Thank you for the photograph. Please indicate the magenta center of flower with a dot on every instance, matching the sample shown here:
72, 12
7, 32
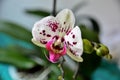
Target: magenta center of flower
56, 48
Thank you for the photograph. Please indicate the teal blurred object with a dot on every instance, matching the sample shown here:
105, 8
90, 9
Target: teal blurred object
4, 72
107, 71
8, 72
7, 40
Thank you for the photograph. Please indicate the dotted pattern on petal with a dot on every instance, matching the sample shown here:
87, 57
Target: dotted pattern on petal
74, 42
45, 29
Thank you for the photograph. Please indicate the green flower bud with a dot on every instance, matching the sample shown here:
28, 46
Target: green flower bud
60, 78
87, 46
101, 50
109, 56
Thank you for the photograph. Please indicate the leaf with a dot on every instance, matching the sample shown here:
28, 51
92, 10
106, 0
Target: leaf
94, 23
89, 34
41, 13
15, 31
13, 56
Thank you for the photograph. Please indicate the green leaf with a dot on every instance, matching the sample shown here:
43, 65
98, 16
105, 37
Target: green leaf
13, 56
89, 34
15, 31
94, 23
41, 13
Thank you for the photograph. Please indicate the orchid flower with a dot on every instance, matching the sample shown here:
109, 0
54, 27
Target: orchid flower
59, 36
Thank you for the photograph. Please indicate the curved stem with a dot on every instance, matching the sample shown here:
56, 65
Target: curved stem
54, 8
61, 69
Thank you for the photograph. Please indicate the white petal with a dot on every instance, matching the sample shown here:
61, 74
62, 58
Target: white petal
44, 30
37, 43
74, 44
67, 20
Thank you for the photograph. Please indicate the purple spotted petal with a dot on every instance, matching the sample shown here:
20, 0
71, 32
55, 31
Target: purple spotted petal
74, 44
67, 21
45, 29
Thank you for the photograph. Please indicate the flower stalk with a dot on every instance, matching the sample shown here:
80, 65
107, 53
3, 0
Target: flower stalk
61, 69
54, 8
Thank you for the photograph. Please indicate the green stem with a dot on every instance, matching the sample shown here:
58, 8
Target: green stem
61, 69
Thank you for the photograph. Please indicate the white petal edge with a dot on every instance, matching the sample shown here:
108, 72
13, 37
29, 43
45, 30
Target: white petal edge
66, 15
76, 58
37, 43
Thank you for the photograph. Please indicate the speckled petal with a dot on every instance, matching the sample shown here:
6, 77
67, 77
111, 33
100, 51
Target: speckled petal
67, 21
44, 30
74, 44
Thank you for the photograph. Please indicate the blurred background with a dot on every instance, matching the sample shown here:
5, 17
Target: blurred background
105, 12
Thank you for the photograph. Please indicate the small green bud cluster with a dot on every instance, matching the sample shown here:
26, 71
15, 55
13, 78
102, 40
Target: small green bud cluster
101, 49
60, 78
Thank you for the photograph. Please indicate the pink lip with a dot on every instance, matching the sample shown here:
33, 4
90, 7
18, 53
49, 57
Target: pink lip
54, 57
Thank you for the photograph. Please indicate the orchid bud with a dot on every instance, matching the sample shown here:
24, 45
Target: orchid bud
60, 78
101, 50
87, 46
109, 56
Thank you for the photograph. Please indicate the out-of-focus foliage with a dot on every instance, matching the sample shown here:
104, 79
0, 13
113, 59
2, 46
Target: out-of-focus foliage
89, 34
40, 13
15, 30
16, 57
